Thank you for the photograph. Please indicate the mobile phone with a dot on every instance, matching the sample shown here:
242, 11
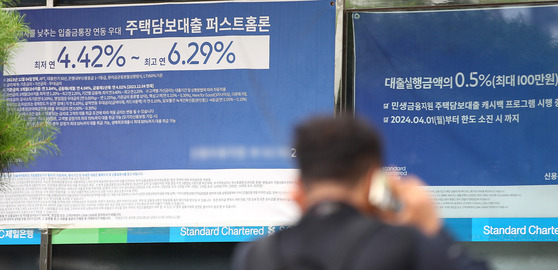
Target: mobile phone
380, 193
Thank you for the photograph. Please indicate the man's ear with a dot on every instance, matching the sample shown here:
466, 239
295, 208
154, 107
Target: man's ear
299, 195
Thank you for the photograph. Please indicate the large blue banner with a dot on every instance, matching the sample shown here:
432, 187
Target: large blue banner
169, 86
464, 97
170, 114
467, 101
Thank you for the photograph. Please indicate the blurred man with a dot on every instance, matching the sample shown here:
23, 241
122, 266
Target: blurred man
340, 229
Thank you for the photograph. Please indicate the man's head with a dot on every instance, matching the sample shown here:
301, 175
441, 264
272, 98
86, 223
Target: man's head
338, 150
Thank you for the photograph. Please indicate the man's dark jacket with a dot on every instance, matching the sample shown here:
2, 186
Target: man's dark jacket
335, 236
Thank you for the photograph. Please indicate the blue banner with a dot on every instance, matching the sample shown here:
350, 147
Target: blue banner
515, 229
20, 237
176, 86
170, 114
464, 98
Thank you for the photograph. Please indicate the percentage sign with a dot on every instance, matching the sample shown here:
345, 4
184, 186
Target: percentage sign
120, 60
230, 56
485, 80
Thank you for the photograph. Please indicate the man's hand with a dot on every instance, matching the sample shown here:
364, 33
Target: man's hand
419, 209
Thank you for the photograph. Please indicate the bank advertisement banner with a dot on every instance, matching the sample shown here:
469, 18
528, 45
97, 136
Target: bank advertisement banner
170, 114
467, 101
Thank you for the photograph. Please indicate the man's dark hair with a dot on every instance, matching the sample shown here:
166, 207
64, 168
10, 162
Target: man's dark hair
340, 149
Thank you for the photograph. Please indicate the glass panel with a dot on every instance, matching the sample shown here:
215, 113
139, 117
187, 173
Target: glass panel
19, 257
199, 256
29, 3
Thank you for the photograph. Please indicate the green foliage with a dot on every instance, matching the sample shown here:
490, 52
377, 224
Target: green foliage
12, 31
22, 137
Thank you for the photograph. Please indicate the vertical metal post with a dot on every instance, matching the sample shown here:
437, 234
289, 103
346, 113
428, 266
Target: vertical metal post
338, 76
45, 256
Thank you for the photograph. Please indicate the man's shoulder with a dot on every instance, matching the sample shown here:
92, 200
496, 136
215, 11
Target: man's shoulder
354, 242
339, 220
346, 235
